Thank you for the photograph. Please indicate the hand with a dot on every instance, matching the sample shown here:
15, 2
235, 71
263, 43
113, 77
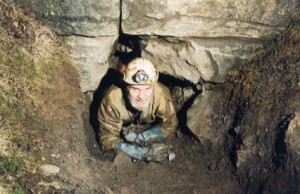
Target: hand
130, 136
133, 151
157, 152
146, 138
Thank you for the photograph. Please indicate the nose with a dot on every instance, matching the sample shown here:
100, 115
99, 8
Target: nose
141, 95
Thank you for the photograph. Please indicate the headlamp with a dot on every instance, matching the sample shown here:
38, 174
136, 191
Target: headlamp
140, 77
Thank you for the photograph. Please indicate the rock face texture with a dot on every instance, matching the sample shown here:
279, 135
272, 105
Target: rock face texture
91, 28
76, 17
293, 135
91, 56
198, 18
190, 39
197, 59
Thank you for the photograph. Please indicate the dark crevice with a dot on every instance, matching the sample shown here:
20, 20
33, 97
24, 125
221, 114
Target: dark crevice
120, 17
131, 44
261, 188
129, 47
237, 140
182, 114
171, 82
280, 148
111, 77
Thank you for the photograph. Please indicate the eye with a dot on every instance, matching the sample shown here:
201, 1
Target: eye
134, 89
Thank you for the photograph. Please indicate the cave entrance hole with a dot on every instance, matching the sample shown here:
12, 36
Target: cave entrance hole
128, 48
192, 163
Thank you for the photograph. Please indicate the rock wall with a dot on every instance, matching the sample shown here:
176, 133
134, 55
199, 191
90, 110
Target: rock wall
203, 18
293, 135
192, 40
91, 55
91, 28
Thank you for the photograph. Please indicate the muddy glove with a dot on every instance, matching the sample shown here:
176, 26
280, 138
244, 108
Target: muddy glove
146, 138
156, 152
133, 151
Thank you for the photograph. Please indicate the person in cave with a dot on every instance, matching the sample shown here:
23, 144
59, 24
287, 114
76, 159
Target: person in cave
139, 117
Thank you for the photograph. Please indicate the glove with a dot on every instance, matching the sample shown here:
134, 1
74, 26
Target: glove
133, 151
156, 152
146, 138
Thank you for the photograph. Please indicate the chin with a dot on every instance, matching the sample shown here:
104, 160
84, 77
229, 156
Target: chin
139, 107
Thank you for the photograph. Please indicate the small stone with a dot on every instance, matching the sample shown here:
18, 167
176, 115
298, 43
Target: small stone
127, 190
55, 184
171, 156
122, 160
49, 169
33, 171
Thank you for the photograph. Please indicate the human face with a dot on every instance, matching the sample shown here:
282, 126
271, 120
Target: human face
140, 95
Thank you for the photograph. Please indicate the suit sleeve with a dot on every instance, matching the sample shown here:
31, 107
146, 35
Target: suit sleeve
110, 125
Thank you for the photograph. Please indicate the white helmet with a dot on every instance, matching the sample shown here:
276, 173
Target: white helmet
140, 71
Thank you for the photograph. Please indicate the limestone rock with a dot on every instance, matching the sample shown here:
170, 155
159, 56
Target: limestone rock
76, 17
203, 119
248, 149
128, 190
198, 18
55, 184
122, 161
202, 40
197, 59
49, 169
91, 56
293, 135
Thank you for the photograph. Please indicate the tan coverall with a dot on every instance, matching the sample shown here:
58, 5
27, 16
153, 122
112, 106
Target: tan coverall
113, 114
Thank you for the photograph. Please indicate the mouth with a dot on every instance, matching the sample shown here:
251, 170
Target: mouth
140, 102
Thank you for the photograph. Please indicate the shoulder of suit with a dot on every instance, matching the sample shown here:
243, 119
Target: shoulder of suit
113, 94
162, 91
